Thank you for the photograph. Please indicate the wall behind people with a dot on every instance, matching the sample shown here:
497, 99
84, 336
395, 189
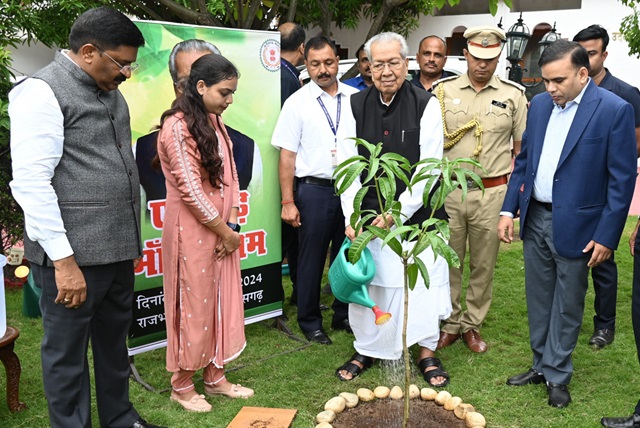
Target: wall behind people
568, 22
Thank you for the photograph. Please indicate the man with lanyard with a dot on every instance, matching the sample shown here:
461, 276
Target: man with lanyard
482, 113
363, 81
605, 276
306, 134
431, 57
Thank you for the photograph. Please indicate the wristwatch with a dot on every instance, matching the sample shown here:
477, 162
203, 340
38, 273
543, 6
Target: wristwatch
234, 226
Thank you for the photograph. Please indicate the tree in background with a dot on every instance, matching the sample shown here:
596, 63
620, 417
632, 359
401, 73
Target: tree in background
630, 29
11, 219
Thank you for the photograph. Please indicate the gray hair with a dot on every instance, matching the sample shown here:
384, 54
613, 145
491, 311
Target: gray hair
386, 38
191, 45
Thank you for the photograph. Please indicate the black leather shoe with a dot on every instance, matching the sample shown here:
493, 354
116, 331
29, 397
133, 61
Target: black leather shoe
318, 336
144, 424
558, 395
526, 378
342, 325
632, 421
602, 337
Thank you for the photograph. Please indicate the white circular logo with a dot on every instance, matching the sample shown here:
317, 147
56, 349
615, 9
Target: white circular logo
270, 55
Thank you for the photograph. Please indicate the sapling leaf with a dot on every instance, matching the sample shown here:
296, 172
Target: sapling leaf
357, 200
396, 232
412, 274
358, 245
382, 233
353, 172
373, 169
423, 270
366, 219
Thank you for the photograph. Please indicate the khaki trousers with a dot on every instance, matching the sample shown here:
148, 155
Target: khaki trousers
474, 220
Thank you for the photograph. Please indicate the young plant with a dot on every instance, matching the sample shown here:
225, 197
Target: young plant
380, 172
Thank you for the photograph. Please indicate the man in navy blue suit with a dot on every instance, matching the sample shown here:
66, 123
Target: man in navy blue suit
572, 183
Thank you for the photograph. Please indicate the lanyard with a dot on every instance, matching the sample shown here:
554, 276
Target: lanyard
290, 71
326, 113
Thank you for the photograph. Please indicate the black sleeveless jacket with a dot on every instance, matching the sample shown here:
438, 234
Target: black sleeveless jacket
398, 128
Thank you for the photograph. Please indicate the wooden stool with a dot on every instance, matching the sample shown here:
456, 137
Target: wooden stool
12, 367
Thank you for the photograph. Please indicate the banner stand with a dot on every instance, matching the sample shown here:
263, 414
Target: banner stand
280, 324
135, 375
249, 126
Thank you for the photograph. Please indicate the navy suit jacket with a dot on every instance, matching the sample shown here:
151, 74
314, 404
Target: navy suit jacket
595, 177
152, 180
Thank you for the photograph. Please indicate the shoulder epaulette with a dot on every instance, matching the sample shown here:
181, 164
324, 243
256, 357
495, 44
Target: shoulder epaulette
512, 83
444, 79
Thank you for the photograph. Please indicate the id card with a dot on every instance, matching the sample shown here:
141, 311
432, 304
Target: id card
334, 158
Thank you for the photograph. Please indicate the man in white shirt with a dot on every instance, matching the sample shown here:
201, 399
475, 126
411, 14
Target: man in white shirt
75, 177
307, 133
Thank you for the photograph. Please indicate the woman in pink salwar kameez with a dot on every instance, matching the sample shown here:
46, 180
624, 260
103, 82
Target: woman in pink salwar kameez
200, 240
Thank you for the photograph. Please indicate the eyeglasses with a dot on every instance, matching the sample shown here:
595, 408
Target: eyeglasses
393, 65
123, 68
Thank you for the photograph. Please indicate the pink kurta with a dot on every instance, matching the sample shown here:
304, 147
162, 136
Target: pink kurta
202, 297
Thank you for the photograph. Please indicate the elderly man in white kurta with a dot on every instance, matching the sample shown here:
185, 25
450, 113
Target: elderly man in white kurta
408, 122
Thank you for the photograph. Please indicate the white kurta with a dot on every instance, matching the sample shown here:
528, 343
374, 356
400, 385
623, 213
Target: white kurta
426, 306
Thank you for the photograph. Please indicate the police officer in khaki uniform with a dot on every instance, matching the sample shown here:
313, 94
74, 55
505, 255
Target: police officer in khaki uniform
482, 114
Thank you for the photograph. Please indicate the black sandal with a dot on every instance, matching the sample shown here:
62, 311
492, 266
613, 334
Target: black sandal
439, 371
354, 369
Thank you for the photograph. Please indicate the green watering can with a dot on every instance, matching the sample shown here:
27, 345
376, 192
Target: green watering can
349, 281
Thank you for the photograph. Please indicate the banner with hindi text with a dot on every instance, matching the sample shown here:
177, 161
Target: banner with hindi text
250, 121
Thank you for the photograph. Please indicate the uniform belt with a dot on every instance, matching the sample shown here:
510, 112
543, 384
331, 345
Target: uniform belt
324, 182
546, 205
488, 182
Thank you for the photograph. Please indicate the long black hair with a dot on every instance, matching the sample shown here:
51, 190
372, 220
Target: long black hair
211, 69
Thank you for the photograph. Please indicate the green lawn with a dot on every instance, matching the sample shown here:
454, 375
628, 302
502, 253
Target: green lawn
291, 374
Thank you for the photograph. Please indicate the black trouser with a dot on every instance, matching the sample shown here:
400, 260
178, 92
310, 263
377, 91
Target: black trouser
605, 285
290, 251
104, 318
322, 222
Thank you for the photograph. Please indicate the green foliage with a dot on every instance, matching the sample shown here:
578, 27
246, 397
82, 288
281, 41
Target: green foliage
630, 28
382, 172
11, 218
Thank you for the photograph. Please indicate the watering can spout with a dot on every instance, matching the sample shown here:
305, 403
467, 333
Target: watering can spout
349, 281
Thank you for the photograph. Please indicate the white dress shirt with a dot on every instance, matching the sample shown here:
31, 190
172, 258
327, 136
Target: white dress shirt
557, 130
303, 128
37, 138
554, 139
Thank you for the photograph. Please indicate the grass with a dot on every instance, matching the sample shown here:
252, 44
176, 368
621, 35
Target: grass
290, 374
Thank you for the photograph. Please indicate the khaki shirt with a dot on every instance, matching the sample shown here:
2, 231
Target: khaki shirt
501, 109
